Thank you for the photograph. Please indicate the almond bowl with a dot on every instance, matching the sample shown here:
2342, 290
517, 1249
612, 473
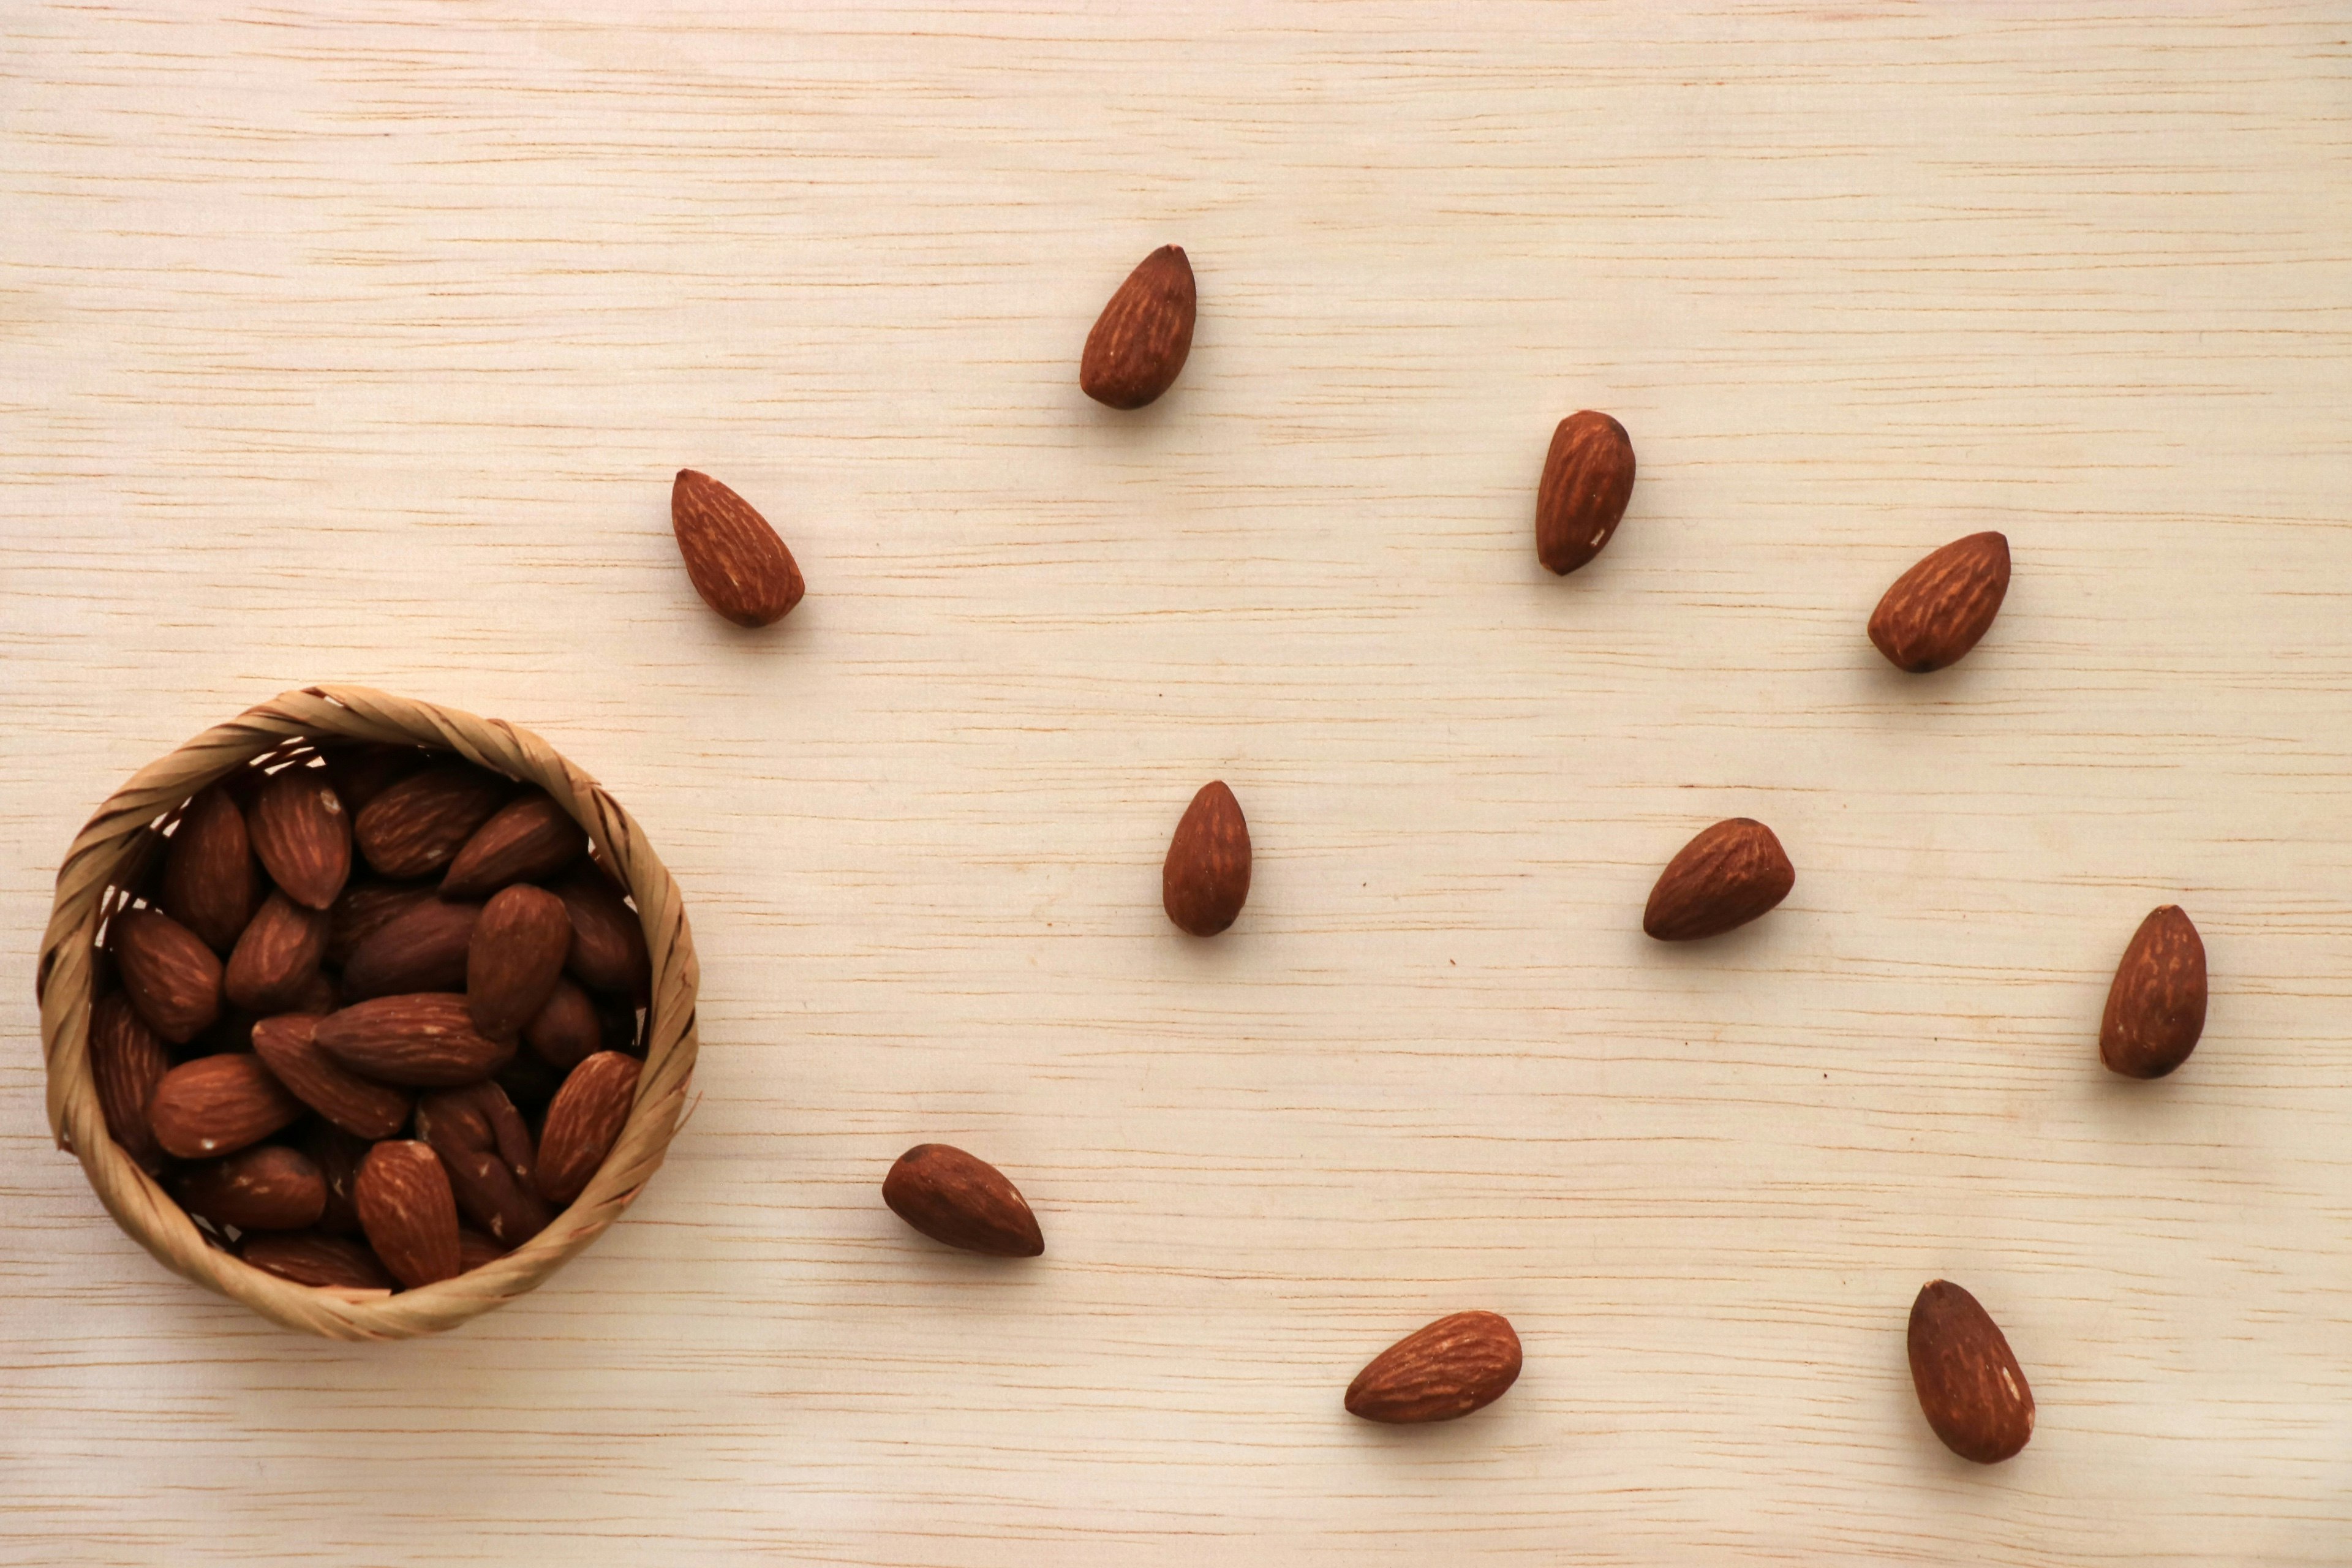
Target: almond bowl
112, 867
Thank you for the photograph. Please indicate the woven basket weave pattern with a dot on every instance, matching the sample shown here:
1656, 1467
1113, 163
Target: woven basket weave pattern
116, 847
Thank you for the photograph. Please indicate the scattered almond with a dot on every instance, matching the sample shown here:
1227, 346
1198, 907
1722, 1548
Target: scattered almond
1726, 877
1587, 478
736, 560
1971, 1387
1454, 1366
964, 1201
1206, 878
1937, 610
1144, 335
2155, 1007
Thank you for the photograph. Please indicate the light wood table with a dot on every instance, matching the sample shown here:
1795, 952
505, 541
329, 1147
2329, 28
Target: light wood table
361, 343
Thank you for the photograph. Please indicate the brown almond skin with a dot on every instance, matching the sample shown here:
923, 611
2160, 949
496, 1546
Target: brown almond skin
426, 1040
423, 949
126, 1063
1141, 341
217, 1105
474, 1249
962, 1201
1937, 611
2155, 1007
337, 1156
304, 835
417, 826
169, 973
608, 943
1444, 1370
1588, 479
528, 841
583, 1122
515, 958
1729, 875
408, 1211
211, 882
567, 1030
1971, 1387
1205, 879
364, 909
288, 1046
736, 561
312, 1257
277, 956
363, 769
267, 1188
486, 1151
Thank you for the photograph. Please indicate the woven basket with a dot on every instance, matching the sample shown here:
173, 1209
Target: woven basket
121, 840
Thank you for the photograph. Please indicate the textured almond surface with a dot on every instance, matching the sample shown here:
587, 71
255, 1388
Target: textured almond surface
736, 563
304, 835
424, 947
1971, 1387
515, 958
407, 1212
417, 826
1937, 611
277, 957
424, 1040
269, 1187
608, 942
217, 1105
288, 1046
171, 976
489, 1154
961, 1200
1205, 879
565, 1031
583, 1122
1588, 479
312, 1257
126, 1063
364, 907
1144, 335
1729, 875
527, 840
2156, 1004
1454, 1365
211, 880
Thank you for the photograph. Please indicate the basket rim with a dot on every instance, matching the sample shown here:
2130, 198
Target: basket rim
67, 972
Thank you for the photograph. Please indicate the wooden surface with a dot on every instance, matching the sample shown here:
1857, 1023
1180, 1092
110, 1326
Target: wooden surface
363, 345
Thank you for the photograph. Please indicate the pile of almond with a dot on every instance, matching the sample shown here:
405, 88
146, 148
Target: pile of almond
377, 1020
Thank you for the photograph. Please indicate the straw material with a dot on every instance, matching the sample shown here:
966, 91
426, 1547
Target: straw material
119, 842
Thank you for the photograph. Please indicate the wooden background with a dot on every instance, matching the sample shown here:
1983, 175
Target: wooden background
361, 343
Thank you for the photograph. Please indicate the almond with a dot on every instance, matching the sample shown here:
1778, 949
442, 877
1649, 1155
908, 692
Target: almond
363, 769
217, 1105
277, 957
288, 1046
417, 826
422, 949
1454, 1366
1144, 335
583, 1122
474, 1249
566, 1030
964, 1201
1587, 478
126, 1063
1971, 1387
1725, 877
210, 881
407, 1212
1936, 612
426, 1041
736, 560
515, 957
1206, 877
528, 840
486, 1149
171, 977
267, 1188
365, 909
309, 1257
2155, 1008
304, 835
608, 943
337, 1156
318, 995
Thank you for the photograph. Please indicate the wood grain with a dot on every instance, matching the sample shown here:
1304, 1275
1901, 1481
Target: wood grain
362, 342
